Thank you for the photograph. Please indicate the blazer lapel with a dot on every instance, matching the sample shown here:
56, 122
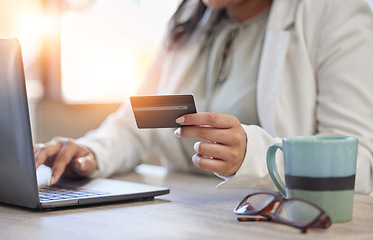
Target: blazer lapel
274, 51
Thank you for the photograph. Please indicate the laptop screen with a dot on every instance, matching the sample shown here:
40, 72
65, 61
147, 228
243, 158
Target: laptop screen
18, 184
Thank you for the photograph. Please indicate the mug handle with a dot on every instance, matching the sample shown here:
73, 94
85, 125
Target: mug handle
272, 168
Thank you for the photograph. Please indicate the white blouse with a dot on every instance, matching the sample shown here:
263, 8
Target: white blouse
224, 77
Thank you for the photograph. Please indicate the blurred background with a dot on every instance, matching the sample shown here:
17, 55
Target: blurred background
82, 57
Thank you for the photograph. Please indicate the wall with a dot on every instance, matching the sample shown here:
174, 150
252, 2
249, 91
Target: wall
54, 118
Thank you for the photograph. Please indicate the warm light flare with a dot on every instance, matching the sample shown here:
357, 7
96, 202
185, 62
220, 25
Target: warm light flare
32, 27
107, 48
27, 21
101, 79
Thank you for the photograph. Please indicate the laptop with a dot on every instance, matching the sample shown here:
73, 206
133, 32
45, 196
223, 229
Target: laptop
18, 177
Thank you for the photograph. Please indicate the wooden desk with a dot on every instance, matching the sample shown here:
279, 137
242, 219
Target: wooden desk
193, 210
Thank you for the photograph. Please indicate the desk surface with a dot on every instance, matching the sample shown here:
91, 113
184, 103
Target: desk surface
194, 209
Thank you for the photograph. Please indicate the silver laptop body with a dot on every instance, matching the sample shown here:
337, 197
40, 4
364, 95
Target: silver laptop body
18, 177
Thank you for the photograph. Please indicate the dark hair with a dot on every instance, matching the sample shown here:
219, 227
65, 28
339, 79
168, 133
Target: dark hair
184, 21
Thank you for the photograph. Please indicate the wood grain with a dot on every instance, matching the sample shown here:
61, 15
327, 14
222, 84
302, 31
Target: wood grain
194, 209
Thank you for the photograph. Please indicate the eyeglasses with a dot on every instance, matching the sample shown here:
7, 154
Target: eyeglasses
293, 212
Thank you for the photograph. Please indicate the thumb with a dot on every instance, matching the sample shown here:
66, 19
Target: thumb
84, 166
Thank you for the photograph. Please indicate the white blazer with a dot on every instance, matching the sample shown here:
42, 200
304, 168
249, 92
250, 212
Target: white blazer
315, 77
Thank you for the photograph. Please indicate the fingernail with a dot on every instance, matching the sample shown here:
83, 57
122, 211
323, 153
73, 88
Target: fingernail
51, 181
180, 120
177, 132
196, 158
196, 146
81, 163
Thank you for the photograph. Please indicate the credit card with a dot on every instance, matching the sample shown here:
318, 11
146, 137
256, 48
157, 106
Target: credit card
161, 111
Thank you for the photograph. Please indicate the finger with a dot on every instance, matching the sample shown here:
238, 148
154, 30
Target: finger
217, 120
214, 150
63, 158
212, 165
84, 166
44, 152
211, 134
38, 146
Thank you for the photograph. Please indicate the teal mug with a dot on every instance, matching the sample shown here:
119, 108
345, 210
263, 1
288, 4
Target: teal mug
318, 169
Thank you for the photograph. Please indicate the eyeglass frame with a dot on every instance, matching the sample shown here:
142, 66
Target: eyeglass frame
322, 220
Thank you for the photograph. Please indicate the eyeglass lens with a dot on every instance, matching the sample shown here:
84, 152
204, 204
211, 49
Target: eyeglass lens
295, 211
254, 204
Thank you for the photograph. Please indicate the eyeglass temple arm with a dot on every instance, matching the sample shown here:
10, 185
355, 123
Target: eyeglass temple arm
255, 219
260, 219
323, 222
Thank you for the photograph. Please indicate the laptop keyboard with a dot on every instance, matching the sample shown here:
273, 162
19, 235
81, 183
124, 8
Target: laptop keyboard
48, 193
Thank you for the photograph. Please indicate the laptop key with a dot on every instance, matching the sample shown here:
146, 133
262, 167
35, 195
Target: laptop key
47, 193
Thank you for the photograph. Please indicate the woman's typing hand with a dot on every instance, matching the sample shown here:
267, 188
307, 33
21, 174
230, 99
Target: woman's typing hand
65, 157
